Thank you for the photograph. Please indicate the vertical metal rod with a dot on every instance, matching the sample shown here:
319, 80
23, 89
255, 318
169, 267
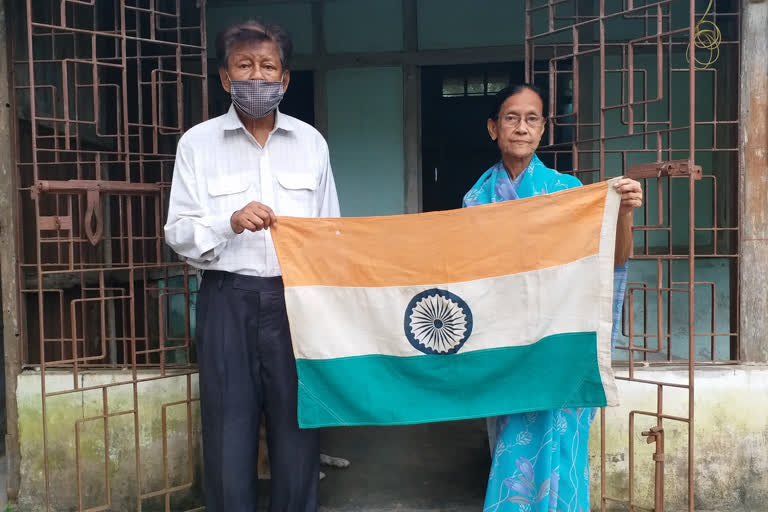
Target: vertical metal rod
575, 95
41, 317
203, 59
659, 452
631, 89
602, 89
107, 480
631, 460
528, 45
691, 249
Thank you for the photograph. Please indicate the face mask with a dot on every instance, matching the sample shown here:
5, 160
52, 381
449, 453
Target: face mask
255, 98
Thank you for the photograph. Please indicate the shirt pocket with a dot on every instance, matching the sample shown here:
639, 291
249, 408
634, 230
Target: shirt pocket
227, 193
296, 194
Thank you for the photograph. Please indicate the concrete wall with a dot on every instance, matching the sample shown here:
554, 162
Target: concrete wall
731, 442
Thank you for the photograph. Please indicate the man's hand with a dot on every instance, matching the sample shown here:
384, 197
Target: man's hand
253, 217
631, 195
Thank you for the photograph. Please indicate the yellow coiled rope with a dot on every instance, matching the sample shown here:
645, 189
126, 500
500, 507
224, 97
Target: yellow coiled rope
706, 36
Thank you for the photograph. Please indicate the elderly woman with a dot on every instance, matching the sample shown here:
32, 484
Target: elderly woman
539, 459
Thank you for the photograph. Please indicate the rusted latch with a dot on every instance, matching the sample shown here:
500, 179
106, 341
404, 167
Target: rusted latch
660, 169
93, 219
656, 435
54, 223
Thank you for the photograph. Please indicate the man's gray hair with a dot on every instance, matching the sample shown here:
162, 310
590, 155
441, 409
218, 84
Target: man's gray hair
253, 31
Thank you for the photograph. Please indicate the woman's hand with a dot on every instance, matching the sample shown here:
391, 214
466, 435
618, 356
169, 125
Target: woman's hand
631, 195
631, 198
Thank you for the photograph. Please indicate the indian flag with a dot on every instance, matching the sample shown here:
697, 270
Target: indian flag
451, 315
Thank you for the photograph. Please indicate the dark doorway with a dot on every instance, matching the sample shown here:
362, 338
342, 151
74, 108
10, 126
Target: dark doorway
299, 100
456, 148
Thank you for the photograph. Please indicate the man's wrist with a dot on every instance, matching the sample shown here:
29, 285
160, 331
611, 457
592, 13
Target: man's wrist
222, 226
232, 223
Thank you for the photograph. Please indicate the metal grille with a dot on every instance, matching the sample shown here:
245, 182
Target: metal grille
103, 90
625, 98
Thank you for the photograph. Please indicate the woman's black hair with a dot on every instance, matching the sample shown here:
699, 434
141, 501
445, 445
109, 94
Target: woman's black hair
511, 90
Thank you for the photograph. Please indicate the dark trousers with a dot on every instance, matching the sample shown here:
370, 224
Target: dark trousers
247, 366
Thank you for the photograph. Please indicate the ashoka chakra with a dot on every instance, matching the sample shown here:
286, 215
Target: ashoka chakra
437, 322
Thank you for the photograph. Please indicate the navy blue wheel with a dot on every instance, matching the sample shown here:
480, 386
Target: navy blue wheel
437, 322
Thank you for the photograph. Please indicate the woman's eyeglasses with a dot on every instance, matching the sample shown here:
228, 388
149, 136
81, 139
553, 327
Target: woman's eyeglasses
515, 120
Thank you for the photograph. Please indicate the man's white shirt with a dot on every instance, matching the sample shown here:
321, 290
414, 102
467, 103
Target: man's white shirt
220, 168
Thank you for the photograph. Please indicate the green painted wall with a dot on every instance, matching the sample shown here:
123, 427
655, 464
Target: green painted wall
712, 302
463, 24
365, 135
362, 26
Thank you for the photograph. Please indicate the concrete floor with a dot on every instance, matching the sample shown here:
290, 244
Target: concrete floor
421, 468
438, 466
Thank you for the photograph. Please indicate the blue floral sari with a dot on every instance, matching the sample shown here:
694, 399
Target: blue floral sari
539, 459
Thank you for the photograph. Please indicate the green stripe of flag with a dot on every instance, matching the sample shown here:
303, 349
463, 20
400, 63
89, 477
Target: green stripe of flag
559, 371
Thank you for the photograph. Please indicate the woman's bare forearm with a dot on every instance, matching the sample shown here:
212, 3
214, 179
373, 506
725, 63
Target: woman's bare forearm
623, 239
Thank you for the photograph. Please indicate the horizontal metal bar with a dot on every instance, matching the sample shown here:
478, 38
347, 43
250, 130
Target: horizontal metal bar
113, 187
674, 168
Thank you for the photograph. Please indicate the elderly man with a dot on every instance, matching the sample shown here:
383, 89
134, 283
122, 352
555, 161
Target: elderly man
233, 175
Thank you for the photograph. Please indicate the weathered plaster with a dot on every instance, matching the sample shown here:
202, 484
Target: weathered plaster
64, 411
731, 443
730, 440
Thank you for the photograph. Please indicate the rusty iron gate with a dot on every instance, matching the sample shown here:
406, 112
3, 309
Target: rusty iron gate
103, 90
636, 88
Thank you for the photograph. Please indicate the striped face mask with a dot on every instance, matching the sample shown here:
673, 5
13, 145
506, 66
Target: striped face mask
255, 98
